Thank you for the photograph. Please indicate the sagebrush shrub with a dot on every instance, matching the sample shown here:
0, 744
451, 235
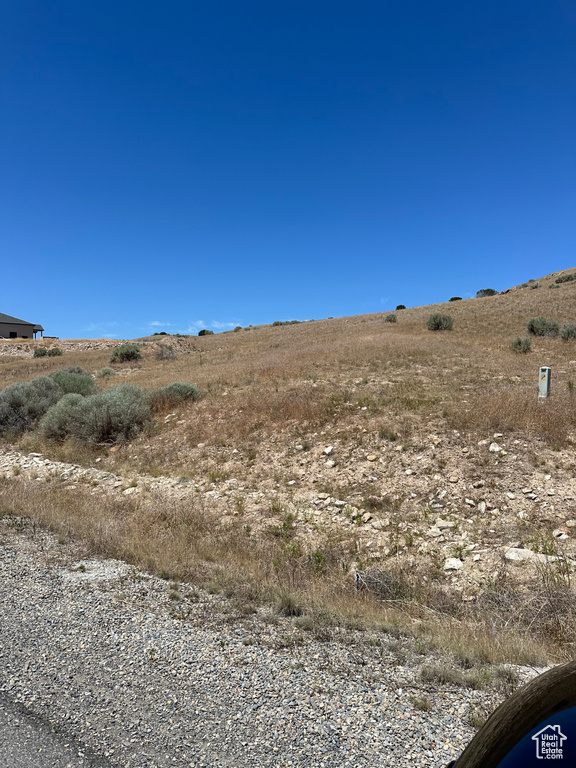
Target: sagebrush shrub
74, 379
124, 353
521, 346
55, 352
566, 278
390, 319
455, 298
238, 328
540, 326
172, 394
439, 322
484, 292
23, 404
40, 352
116, 415
400, 306
205, 332
105, 372
568, 332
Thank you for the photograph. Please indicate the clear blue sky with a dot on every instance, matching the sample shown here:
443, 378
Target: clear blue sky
177, 165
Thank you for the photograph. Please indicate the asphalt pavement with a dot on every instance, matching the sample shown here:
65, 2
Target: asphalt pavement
26, 741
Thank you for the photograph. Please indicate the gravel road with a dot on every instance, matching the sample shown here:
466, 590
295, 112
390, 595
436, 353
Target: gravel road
102, 654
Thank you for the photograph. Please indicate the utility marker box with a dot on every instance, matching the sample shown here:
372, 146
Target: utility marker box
544, 382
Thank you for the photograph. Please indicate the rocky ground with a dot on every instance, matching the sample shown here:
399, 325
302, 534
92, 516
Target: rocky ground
149, 674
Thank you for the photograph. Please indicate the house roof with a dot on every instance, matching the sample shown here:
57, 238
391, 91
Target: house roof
15, 321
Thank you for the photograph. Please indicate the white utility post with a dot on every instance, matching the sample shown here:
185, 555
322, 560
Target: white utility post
544, 382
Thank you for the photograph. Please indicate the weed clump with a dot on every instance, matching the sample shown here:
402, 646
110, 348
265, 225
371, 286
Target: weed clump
440, 322
568, 332
540, 326
23, 404
390, 319
74, 379
521, 346
165, 353
125, 353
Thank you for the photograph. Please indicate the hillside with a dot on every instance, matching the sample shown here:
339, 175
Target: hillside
420, 460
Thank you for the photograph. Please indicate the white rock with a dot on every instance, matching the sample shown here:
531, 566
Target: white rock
521, 555
494, 448
482, 507
330, 463
440, 524
523, 515
511, 495
329, 450
470, 502
452, 564
558, 533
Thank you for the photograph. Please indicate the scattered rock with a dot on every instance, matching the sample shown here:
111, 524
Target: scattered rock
329, 450
452, 564
495, 448
441, 524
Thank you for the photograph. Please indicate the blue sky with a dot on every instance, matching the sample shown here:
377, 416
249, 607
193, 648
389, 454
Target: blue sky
178, 165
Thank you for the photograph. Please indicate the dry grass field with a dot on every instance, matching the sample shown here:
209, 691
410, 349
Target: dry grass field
333, 446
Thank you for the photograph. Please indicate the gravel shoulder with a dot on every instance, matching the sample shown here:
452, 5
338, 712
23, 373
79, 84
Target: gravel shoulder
105, 657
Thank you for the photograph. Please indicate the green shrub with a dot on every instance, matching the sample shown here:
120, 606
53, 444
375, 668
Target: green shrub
238, 328
125, 353
40, 352
390, 319
439, 322
400, 306
116, 415
173, 394
521, 346
23, 404
105, 372
540, 326
74, 379
566, 278
285, 322
205, 332
455, 298
55, 352
568, 332
483, 292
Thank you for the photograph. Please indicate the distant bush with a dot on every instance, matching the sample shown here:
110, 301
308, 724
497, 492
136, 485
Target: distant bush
455, 298
165, 353
205, 332
534, 285
439, 322
104, 373
483, 292
40, 352
160, 333
74, 379
285, 322
400, 306
23, 404
238, 328
172, 394
568, 332
521, 346
540, 326
125, 353
390, 319
116, 415
553, 285
55, 352
565, 278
